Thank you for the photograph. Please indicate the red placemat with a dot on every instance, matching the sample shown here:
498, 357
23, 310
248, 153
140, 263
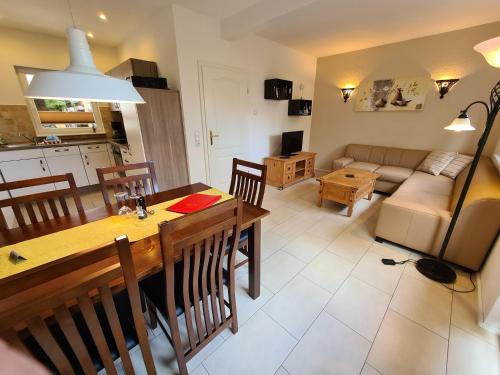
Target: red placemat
193, 203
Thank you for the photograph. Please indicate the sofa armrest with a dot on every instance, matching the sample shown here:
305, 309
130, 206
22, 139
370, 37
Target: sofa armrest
342, 162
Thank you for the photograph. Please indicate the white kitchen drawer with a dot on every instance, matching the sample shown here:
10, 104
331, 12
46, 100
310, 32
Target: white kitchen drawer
61, 151
93, 148
21, 154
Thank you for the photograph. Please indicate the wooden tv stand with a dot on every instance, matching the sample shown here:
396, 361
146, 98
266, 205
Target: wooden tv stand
285, 172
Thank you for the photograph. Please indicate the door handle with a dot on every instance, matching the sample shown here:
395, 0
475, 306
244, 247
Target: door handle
212, 136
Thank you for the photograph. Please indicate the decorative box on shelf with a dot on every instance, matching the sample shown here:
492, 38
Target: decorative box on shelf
299, 107
278, 89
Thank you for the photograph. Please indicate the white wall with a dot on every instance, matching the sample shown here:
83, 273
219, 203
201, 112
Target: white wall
155, 41
38, 51
198, 39
449, 55
490, 290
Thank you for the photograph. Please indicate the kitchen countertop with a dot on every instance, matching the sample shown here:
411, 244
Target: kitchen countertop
31, 146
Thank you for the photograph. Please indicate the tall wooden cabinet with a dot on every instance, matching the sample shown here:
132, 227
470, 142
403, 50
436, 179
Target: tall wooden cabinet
285, 172
155, 132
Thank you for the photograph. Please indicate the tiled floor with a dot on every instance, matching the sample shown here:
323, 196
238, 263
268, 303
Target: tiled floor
329, 306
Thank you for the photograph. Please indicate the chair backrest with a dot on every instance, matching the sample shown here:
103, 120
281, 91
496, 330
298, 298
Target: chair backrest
202, 240
39, 207
73, 318
143, 179
250, 187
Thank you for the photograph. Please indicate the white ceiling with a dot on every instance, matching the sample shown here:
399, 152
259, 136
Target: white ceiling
328, 27
53, 17
317, 27
124, 16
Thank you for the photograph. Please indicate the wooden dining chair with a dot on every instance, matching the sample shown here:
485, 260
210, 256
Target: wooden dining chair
39, 207
74, 323
192, 283
142, 179
250, 187
247, 185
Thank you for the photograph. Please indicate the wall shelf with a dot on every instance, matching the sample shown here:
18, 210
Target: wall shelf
278, 89
299, 107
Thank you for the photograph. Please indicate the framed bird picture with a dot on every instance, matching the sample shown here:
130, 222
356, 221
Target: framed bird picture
395, 94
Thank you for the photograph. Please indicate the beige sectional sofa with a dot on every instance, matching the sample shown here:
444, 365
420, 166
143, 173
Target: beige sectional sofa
418, 212
394, 164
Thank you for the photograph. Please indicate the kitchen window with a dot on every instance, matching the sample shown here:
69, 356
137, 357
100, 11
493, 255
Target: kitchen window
60, 117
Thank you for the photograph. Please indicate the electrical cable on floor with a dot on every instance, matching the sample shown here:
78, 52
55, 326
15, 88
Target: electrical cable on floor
392, 262
463, 291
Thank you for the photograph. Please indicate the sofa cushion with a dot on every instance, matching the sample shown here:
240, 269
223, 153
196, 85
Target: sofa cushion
412, 158
377, 155
370, 167
434, 192
394, 174
358, 152
456, 166
421, 181
436, 161
342, 163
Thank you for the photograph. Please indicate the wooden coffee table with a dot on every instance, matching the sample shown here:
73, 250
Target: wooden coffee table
337, 187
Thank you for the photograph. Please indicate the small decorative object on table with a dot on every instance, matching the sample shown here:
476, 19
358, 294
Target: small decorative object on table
51, 140
15, 257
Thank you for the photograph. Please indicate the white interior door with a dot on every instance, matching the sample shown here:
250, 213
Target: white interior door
226, 114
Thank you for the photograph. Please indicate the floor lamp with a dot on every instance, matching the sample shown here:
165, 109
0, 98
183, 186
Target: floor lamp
436, 269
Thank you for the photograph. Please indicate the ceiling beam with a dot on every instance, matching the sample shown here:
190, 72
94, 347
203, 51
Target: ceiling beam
255, 18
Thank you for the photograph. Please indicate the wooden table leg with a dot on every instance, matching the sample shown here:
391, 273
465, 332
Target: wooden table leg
254, 238
371, 191
320, 195
349, 210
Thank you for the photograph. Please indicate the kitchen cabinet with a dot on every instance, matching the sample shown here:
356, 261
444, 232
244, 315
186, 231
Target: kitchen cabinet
155, 132
94, 160
68, 164
24, 169
81, 161
84, 149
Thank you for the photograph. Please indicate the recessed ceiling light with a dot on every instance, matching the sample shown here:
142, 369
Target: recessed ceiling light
102, 16
90, 35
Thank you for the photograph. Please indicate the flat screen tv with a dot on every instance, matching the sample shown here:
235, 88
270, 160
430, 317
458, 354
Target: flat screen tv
291, 142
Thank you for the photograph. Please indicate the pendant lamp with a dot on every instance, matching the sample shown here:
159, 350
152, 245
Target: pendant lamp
81, 80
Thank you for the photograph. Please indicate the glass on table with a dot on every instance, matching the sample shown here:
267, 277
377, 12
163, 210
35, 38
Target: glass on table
121, 199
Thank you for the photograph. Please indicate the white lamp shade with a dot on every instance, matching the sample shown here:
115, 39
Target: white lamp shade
81, 80
490, 49
66, 85
461, 124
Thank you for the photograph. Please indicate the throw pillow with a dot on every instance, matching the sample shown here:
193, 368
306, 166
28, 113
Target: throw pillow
456, 166
436, 161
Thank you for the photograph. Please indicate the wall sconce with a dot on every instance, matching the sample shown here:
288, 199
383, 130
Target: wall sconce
444, 85
346, 93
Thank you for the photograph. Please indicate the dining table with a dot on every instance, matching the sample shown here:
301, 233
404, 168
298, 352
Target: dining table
146, 252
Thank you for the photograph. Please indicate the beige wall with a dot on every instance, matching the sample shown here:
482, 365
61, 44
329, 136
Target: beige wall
490, 290
39, 51
449, 55
155, 41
